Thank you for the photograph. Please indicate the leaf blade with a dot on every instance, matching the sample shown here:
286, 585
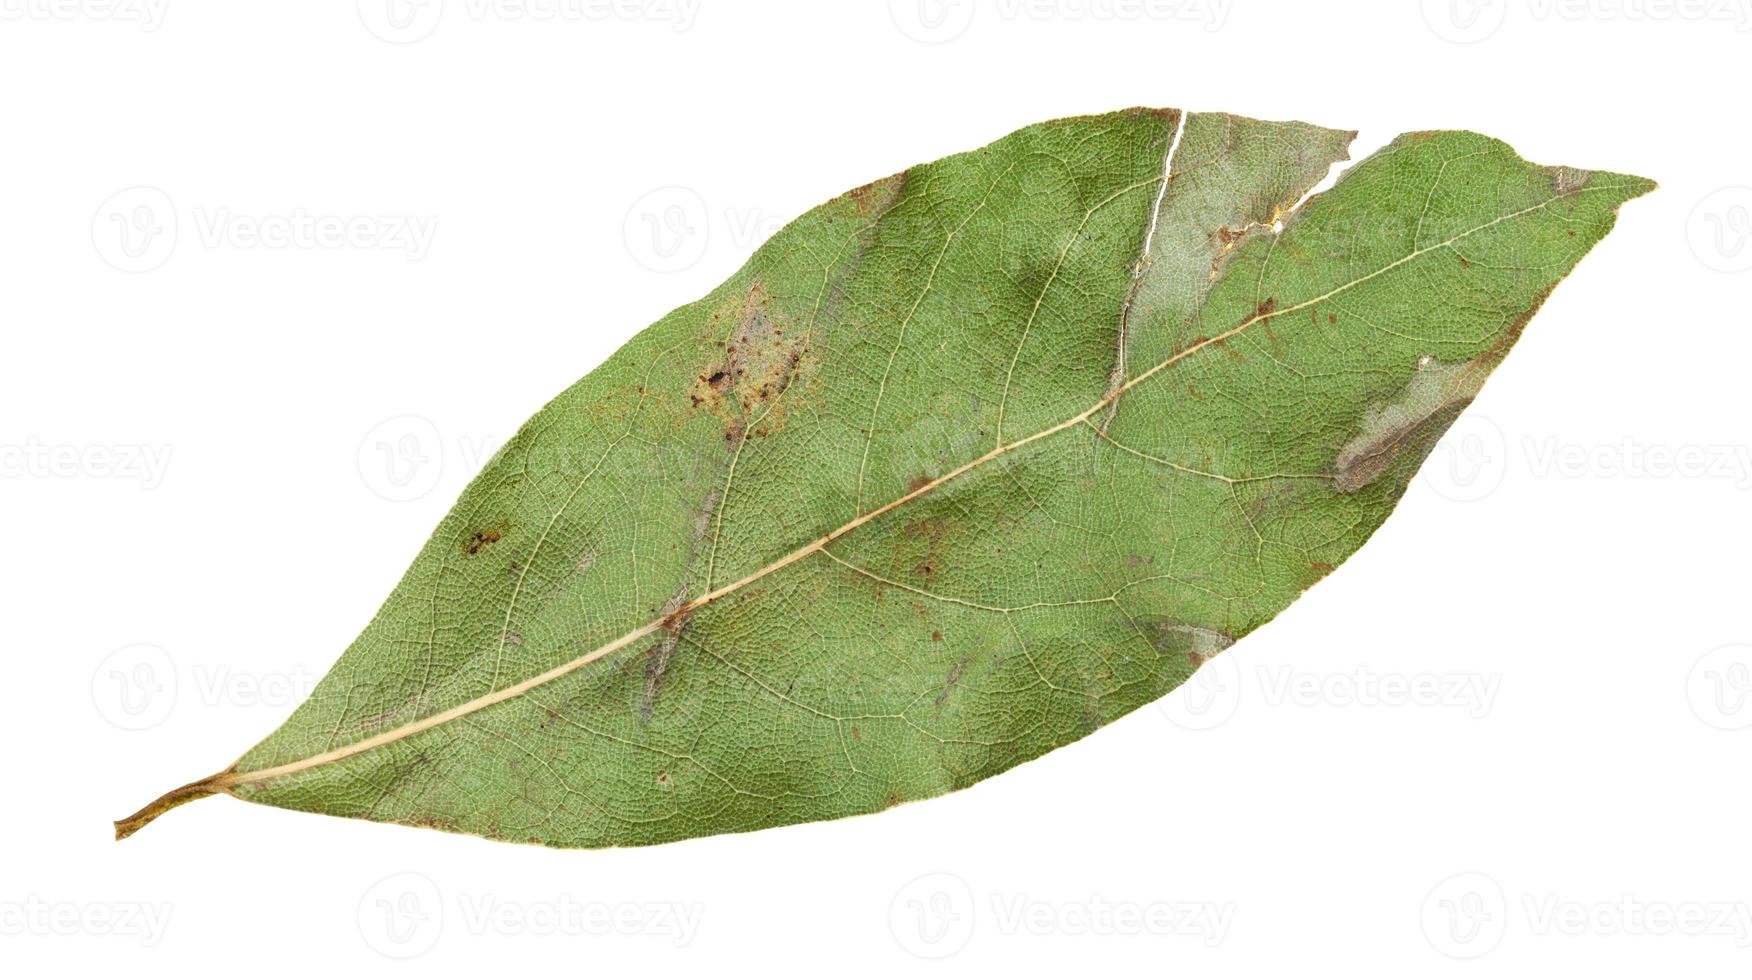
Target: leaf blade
1050, 539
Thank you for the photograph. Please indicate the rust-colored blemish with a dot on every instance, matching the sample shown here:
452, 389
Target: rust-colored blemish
480, 540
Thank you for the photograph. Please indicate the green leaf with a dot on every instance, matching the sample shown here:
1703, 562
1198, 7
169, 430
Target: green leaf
961, 466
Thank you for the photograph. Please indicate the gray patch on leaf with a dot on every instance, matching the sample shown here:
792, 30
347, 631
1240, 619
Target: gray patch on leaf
1568, 180
1196, 643
1427, 405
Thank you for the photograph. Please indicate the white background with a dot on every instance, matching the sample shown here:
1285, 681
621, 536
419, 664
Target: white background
222, 444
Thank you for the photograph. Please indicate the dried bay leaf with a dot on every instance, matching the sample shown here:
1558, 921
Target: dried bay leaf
962, 465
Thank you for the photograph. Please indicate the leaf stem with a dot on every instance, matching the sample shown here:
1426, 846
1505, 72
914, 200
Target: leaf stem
216, 783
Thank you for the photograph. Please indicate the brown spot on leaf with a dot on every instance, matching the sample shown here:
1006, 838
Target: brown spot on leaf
480, 540
744, 383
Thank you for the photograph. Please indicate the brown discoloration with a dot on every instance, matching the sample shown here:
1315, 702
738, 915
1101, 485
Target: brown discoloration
877, 196
481, 539
756, 364
674, 616
932, 531
1323, 567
